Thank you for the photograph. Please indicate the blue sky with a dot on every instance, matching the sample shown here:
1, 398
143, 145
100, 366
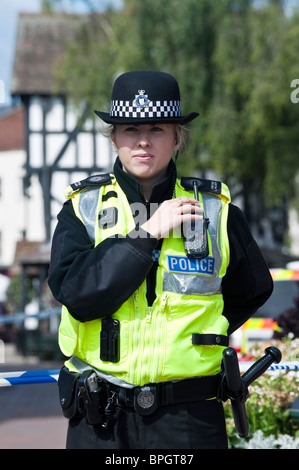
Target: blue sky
9, 11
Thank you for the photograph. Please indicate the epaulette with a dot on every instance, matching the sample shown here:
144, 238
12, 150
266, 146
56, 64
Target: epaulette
94, 180
207, 186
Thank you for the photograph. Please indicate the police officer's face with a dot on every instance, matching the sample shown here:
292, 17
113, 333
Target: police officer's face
146, 149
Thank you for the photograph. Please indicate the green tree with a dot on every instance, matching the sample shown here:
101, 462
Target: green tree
179, 38
174, 36
252, 133
234, 63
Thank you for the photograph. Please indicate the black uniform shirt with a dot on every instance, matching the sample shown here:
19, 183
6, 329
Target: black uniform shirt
93, 282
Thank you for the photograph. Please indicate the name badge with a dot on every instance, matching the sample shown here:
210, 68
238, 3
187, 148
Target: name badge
182, 264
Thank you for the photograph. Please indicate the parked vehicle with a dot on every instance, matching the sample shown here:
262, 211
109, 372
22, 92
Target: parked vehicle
267, 321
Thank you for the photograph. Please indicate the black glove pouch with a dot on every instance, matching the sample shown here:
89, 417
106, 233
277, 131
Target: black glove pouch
68, 385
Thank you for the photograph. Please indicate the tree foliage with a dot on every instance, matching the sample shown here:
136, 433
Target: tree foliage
253, 130
234, 63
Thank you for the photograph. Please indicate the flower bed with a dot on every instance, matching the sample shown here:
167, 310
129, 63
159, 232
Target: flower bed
270, 423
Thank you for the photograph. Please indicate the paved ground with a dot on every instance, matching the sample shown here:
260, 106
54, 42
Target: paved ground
30, 415
33, 433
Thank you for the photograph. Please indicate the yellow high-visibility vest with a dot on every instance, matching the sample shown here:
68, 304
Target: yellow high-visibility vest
181, 334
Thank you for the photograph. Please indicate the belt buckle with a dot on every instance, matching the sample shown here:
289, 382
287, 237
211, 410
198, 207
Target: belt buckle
145, 400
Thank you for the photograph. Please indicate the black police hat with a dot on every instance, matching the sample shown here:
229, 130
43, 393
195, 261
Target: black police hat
144, 97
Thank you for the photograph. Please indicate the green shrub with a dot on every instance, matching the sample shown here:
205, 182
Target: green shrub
269, 401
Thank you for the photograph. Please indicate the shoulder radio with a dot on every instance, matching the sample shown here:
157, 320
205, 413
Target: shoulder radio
195, 232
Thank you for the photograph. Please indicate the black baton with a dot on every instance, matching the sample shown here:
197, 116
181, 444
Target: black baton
235, 390
236, 387
259, 367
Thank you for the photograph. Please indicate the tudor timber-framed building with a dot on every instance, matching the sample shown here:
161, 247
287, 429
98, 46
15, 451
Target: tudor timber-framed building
62, 145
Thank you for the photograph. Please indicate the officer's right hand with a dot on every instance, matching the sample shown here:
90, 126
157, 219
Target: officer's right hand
171, 214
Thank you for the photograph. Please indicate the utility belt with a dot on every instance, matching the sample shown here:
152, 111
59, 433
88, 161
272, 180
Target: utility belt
101, 401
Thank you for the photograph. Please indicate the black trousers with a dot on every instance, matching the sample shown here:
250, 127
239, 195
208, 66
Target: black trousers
197, 425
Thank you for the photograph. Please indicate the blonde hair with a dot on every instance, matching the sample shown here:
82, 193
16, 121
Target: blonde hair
182, 135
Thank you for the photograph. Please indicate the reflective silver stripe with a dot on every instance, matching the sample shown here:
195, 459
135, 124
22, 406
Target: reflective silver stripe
189, 284
88, 208
81, 366
213, 210
201, 284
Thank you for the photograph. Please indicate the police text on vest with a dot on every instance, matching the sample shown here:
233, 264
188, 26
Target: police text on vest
182, 264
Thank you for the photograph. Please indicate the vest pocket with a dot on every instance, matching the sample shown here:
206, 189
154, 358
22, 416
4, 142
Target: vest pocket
195, 317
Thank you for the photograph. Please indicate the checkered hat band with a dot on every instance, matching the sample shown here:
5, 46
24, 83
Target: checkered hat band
154, 109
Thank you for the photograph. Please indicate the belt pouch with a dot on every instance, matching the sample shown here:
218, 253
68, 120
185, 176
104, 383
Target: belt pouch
93, 394
68, 385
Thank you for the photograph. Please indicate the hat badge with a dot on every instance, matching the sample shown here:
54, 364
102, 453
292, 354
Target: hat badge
141, 100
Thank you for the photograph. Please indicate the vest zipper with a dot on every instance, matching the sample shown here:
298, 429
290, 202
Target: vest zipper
149, 315
133, 339
139, 334
144, 358
147, 339
158, 344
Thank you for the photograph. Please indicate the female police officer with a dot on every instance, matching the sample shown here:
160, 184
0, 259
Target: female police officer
151, 319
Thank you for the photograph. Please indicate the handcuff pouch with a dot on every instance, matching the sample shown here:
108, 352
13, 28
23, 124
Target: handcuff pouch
68, 386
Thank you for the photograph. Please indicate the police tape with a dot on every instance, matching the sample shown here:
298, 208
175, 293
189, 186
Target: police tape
21, 317
282, 366
9, 379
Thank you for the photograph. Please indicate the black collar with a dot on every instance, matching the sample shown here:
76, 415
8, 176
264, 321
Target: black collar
133, 189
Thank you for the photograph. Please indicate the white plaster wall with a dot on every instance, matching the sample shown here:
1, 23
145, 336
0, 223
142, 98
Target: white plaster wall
34, 212
17, 214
